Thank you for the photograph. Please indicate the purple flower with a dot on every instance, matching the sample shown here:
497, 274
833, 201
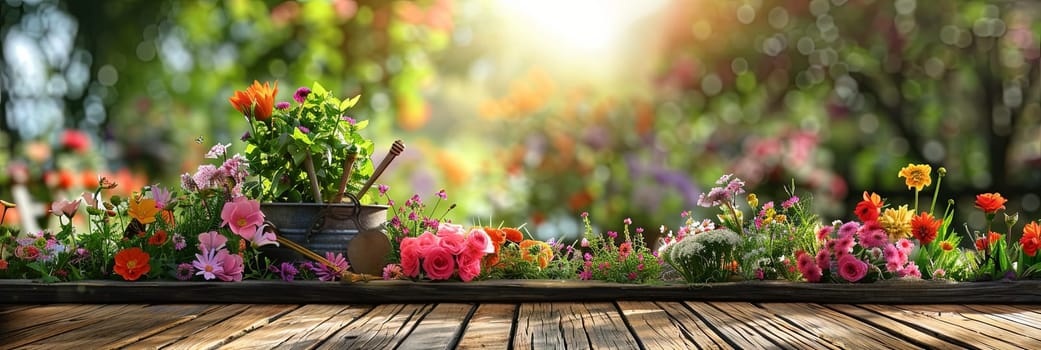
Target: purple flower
326, 273
442, 194
713, 198
585, 275
301, 94
208, 264
723, 179
349, 120
185, 271
245, 136
383, 189
628, 221
639, 230
612, 234
736, 186
179, 242
161, 195
848, 229
286, 272
282, 105
587, 256
217, 151
303, 129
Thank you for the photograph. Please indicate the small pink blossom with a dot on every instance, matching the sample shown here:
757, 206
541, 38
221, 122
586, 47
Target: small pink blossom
211, 241
231, 266
392, 272
207, 264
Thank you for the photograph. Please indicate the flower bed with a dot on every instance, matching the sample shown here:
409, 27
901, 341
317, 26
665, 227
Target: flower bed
212, 229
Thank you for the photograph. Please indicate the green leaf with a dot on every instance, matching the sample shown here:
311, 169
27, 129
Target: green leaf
318, 89
301, 136
348, 103
361, 124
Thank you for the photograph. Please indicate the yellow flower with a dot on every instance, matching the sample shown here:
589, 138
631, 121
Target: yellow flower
753, 201
897, 222
917, 176
143, 210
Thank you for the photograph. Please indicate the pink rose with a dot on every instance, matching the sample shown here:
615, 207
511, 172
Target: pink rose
410, 256
232, 266
469, 266
452, 241
438, 263
426, 240
446, 228
479, 242
851, 268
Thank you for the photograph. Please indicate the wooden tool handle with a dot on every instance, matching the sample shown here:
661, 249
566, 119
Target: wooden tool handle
395, 150
348, 165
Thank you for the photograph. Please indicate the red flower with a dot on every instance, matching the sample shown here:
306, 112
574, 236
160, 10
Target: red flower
924, 227
158, 238
131, 263
990, 203
513, 234
75, 140
866, 211
982, 243
1031, 240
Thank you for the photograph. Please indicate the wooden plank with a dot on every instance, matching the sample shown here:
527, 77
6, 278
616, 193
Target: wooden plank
836, 328
1025, 314
294, 330
927, 339
1005, 330
572, 326
382, 328
230, 328
489, 328
515, 291
122, 329
737, 333
670, 327
18, 319
184, 330
58, 324
940, 327
770, 325
439, 329
6, 309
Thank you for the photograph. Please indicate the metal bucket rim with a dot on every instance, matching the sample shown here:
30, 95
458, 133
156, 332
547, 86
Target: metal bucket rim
321, 205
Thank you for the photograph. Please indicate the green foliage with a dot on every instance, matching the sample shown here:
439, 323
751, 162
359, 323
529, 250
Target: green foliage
630, 261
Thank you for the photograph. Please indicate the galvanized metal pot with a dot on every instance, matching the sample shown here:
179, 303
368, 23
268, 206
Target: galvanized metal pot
331, 228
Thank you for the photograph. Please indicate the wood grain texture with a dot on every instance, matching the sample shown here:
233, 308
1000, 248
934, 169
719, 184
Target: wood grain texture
440, 328
384, 327
230, 328
781, 332
571, 326
669, 325
294, 330
122, 329
995, 327
925, 338
956, 330
836, 328
510, 291
489, 327
738, 333
188, 329
45, 322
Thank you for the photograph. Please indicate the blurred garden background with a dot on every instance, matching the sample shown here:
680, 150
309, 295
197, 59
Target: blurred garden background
534, 111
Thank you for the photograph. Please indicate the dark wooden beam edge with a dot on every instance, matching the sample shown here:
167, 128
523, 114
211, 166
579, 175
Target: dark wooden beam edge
886, 292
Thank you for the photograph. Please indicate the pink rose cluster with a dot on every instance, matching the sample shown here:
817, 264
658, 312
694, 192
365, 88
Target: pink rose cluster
438, 255
853, 250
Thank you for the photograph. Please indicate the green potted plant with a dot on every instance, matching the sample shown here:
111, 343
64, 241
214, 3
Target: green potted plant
306, 159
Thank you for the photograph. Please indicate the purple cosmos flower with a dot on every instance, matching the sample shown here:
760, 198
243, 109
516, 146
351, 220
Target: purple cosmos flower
208, 264
185, 271
301, 94
328, 274
286, 271
282, 105
161, 195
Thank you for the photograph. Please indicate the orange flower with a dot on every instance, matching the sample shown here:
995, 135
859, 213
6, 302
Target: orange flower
917, 176
990, 203
131, 263
158, 238
143, 210
874, 198
924, 227
1031, 240
984, 243
536, 251
946, 246
513, 235
258, 101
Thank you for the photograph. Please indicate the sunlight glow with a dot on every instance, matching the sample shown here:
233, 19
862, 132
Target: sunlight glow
589, 25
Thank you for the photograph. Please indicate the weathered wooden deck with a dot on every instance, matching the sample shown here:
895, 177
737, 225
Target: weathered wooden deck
545, 325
